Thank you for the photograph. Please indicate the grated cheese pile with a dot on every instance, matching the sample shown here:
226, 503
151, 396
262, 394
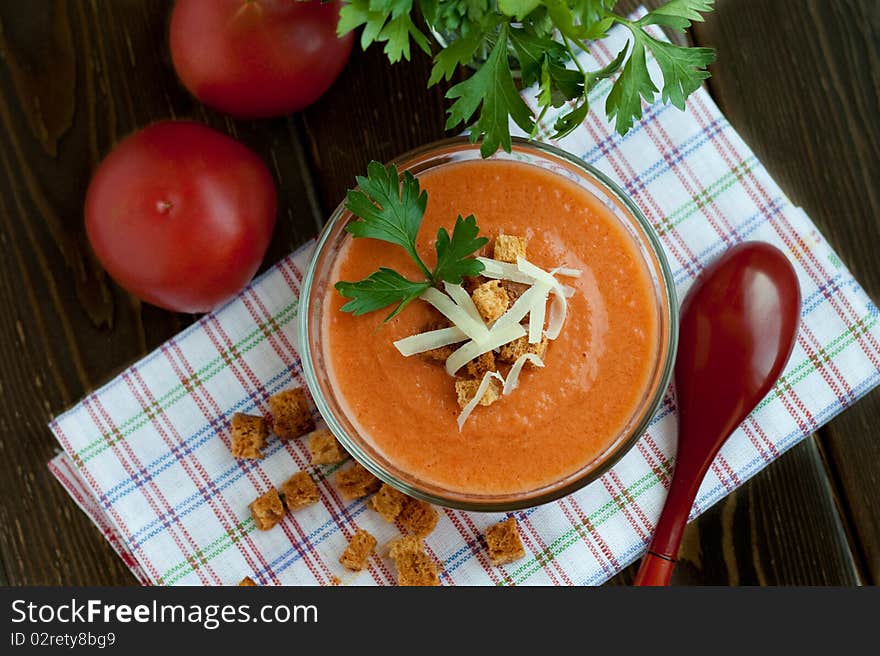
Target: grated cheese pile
477, 337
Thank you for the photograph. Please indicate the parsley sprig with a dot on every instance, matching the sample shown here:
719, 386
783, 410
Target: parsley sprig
391, 211
540, 38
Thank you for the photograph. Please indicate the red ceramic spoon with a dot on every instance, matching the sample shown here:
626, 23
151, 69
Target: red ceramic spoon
738, 326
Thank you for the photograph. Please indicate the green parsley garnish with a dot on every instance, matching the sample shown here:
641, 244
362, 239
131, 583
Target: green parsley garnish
390, 211
540, 38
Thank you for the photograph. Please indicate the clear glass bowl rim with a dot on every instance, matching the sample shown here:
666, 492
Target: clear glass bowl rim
516, 501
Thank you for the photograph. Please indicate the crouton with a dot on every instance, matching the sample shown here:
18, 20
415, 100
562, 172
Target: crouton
249, 434
504, 543
514, 290
440, 354
520, 346
491, 300
356, 482
418, 517
509, 247
470, 283
466, 388
405, 546
480, 365
291, 414
247, 581
414, 566
300, 491
267, 510
324, 448
388, 502
358, 551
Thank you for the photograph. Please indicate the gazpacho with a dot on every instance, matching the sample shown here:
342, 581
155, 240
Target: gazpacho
525, 372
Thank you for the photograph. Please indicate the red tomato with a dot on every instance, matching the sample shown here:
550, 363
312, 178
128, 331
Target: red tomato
181, 215
257, 58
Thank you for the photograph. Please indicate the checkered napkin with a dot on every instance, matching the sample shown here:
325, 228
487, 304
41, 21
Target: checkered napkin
147, 456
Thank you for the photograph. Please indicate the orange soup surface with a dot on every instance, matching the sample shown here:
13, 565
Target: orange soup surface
561, 417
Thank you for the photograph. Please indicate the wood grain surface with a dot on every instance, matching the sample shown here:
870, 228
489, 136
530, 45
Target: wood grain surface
798, 79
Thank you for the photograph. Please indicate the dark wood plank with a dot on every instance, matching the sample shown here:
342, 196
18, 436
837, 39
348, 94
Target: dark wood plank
799, 80
75, 78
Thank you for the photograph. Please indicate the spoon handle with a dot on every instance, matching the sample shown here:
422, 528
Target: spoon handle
654, 570
659, 562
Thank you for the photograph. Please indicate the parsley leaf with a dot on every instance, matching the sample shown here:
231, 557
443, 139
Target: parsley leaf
533, 51
677, 14
397, 33
492, 87
683, 68
566, 123
387, 210
489, 37
624, 103
452, 253
458, 53
381, 289
384, 21
519, 9
391, 211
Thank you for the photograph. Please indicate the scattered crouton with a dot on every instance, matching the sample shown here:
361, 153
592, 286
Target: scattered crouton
480, 365
300, 491
467, 388
358, 551
247, 581
388, 502
324, 448
504, 543
491, 300
418, 517
414, 566
291, 414
509, 247
511, 351
267, 510
356, 482
249, 434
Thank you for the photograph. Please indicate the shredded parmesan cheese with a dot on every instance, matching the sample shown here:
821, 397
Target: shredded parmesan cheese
476, 330
458, 306
559, 306
458, 294
475, 348
512, 380
558, 312
536, 320
565, 271
481, 390
536, 272
534, 295
430, 340
504, 271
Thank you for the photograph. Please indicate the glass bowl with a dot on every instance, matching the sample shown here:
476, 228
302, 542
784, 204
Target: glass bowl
318, 280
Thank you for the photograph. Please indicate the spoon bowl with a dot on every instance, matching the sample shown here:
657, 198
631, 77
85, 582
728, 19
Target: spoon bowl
738, 326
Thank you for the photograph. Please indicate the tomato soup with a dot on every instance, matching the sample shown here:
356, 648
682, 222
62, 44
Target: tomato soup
561, 417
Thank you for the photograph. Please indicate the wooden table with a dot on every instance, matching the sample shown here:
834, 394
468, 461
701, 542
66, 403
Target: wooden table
797, 78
